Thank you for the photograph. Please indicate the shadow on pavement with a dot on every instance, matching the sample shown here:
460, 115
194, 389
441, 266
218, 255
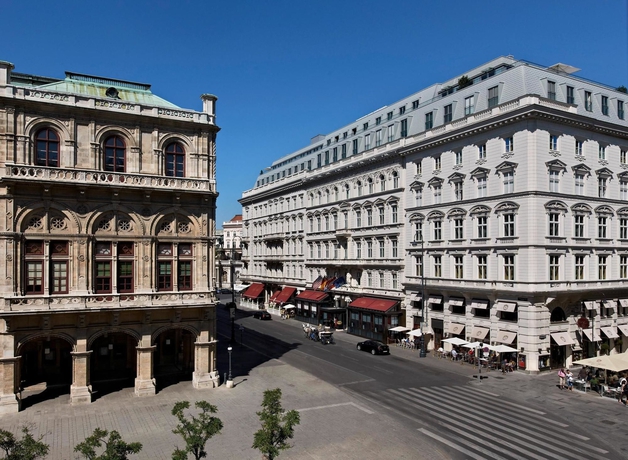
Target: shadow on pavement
38, 393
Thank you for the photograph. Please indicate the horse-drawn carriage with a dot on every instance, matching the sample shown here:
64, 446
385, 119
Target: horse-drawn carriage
318, 334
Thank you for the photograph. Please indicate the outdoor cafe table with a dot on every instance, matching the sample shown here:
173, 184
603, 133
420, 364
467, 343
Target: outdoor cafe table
581, 385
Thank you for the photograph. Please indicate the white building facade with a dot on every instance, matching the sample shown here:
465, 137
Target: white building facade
504, 190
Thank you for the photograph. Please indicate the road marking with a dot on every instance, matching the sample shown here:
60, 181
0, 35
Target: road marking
492, 394
363, 409
356, 381
467, 452
385, 371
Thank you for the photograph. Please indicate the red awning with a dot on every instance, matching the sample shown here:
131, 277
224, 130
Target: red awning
285, 294
315, 296
373, 303
254, 291
273, 298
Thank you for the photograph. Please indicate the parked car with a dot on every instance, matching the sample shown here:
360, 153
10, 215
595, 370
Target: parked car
374, 347
262, 314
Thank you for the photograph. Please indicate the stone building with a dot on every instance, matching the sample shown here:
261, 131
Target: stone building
503, 189
107, 263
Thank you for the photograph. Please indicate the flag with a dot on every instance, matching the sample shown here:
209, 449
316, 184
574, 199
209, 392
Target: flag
317, 282
339, 282
330, 283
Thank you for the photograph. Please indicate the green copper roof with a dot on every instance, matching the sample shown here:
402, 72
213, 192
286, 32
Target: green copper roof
99, 87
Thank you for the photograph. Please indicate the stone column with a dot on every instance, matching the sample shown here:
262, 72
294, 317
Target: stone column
205, 374
81, 389
9, 374
144, 380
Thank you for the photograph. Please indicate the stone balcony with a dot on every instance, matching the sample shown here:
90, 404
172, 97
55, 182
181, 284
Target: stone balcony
106, 301
39, 174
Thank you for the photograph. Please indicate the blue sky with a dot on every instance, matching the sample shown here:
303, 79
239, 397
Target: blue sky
287, 70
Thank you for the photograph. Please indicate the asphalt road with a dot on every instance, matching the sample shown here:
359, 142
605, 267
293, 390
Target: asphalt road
462, 417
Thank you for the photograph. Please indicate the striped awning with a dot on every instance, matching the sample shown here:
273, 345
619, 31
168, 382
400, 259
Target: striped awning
254, 291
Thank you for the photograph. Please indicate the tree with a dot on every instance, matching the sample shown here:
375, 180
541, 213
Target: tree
464, 81
115, 447
195, 431
622, 89
272, 438
27, 448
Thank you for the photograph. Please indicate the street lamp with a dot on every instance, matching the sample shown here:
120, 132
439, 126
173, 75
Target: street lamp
229, 378
419, 234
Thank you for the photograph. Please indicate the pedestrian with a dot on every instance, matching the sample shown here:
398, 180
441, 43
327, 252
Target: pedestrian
561, 378
569, 375
623, 391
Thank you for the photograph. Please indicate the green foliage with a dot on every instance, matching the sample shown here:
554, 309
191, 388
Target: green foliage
464, 81
115, 448
195, 431
604, 348
272, 438
27, 448
622, 89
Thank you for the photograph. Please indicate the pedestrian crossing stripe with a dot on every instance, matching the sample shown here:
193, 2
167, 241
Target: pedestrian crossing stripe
487, 425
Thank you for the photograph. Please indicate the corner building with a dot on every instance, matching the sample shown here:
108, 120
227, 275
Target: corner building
503, 189
108, 195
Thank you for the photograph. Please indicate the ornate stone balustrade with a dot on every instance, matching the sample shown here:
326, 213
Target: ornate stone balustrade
101, 301
87, 177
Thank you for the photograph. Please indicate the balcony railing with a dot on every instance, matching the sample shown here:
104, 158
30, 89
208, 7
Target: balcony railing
89, 177
100, 301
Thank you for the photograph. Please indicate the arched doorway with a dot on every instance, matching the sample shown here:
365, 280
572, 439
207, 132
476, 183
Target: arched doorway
45, 369
113, 358
173, 358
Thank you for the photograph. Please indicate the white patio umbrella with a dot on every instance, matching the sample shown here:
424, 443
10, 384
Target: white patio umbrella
288, 307
399, 329
502, 349
473, 345
615, 363
415, 333
455, 341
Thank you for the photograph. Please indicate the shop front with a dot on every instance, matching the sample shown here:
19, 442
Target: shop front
254, 295
309, 305
372, 317
560, 346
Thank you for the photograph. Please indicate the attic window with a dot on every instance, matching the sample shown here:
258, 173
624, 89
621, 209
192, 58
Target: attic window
112, 92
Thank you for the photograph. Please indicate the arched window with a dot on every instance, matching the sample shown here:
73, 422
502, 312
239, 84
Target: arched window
557, 315
47, 148
175, 160
115, 154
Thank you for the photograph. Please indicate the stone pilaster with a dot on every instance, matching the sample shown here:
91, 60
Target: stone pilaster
205, 374
144, 380
9, 372
81, 389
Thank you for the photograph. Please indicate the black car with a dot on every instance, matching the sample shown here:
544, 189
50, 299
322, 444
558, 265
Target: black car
262, 314
375, 347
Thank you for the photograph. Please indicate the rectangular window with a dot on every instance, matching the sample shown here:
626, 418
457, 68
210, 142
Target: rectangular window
458, 229
378, 120
365, 126
553, 142
622, 156
509, 144
366, 318
438, 230
395, 281
459, 267
509, 268
437, 163
482, 267
509, 225
34, 277
554, 268
458, 191
481, 187
418, 197
391, 133
381, 216
418, 266
482, 227
402, 110
164, 276
381, 280
358, 218
378, 137
438, 190
185, 275
369, 249
601, 187
578, 225
125, 276
415, 104
551, 90
601, 267
448, 113
358, 250
604, 105
493, 97
588, 101
601, 226
335, 154
554, 181
468, 105
354, 146
103, 277
458, 157
623, 267
620, 110
59, 281
429, 120
389, 115
553, 223
438, 267
326, 157
404, 127
395, 248
509, 182
570, 95
382, 249
394, 213
369, 217
319, 160
623, 228
602, 152
623, 190
579, 183
482, 152
579, 265
578, 150
367, 142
